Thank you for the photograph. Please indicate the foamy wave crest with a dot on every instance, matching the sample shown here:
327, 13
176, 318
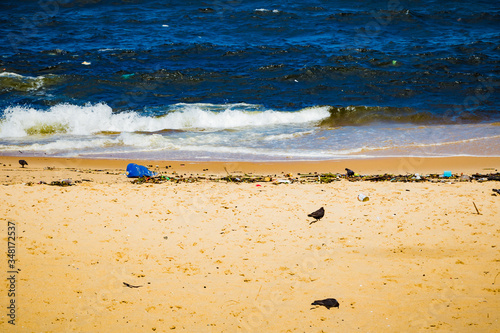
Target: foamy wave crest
202, 116
90, 119
65, 118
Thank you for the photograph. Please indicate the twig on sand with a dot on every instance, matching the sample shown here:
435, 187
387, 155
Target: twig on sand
477, 210
228, 175
258, 292
495, 279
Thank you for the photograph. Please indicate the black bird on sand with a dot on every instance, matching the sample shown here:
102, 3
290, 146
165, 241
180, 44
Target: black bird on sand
350, 173
23, 163
328, 303
317, 214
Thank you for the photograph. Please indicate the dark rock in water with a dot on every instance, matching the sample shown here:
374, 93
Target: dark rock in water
23, 163
350, 173
328, 303
318, 214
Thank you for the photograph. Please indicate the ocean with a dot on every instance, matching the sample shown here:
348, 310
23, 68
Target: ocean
249, 80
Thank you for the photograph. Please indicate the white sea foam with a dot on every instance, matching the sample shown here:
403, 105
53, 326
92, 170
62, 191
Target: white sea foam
21, 121
65, 118
266, 10
286, 136
197, 117
11, 75
61, 145
100, 143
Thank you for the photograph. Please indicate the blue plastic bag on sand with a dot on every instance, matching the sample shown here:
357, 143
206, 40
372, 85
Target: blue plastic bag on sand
136, 171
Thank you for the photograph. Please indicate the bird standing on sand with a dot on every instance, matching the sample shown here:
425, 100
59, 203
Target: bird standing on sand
328, 303
350, 173
23, 163
318, 214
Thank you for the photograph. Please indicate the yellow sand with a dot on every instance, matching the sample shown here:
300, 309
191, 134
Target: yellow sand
227, 257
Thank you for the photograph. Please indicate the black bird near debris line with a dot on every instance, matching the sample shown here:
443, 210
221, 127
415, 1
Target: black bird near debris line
23, 163
328, 303
318, 215
350, 173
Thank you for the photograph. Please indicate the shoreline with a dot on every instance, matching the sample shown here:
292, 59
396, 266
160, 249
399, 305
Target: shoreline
375, 166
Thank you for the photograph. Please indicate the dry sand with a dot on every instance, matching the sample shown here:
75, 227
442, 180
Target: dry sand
243, 257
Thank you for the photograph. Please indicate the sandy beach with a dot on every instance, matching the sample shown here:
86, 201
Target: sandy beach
108, 255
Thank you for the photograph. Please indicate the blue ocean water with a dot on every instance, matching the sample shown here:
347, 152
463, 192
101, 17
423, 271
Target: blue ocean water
240, 80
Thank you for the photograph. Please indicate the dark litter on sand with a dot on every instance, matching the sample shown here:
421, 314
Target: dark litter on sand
492, 176
330, 177
316, 178
64, 182
164, 179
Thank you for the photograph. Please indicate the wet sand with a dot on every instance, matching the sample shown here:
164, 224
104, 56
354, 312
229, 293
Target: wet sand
215, 256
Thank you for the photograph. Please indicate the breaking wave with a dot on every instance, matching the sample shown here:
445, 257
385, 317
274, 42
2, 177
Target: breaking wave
20, 121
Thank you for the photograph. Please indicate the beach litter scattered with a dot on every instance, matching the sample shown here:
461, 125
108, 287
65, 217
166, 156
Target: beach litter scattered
494, 176
464, 178
64, 182
314, 178
362, 197
447, 174
136, 171
143, 175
